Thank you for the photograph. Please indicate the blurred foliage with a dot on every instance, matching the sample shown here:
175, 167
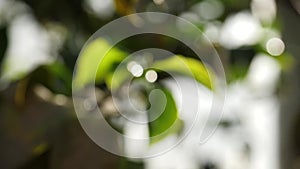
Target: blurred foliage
100, 57
166, 122
186, 66
38, 131
92, 62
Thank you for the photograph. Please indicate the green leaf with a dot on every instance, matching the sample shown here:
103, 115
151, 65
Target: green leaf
98, 57
168, 122
186, 66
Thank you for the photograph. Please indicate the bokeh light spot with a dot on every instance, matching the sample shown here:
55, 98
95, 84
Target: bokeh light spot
275, 46
135, 69
151, 76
